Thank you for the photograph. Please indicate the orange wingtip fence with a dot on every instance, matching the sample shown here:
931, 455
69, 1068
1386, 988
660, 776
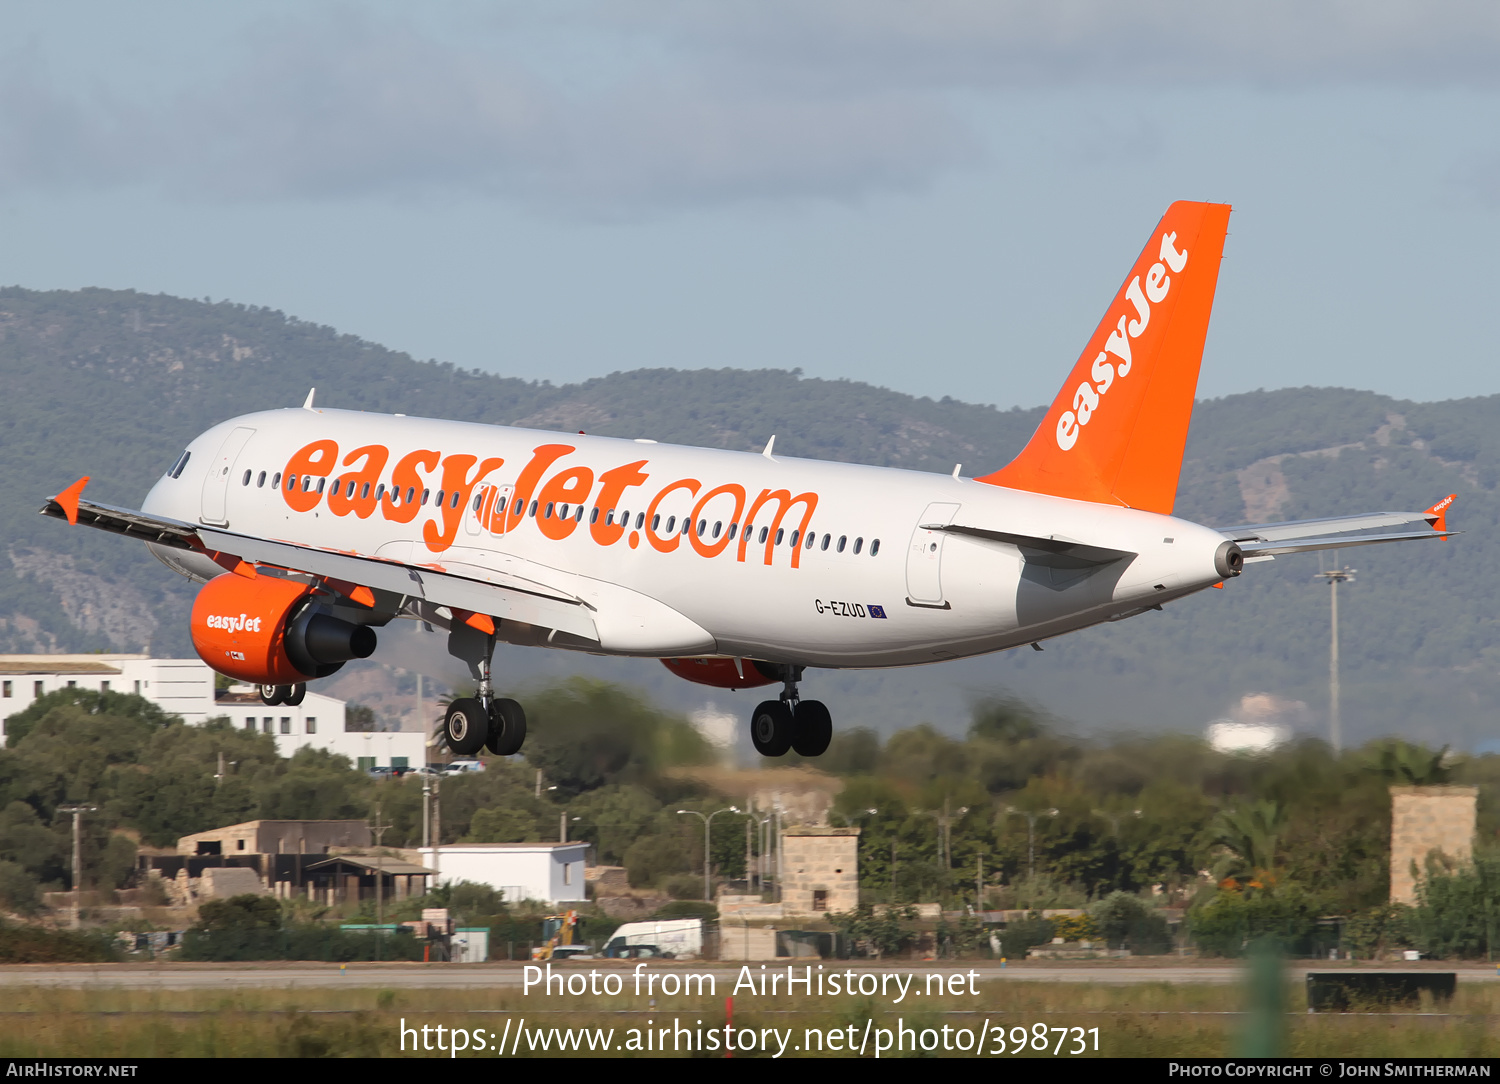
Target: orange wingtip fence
67, 500
1439, 513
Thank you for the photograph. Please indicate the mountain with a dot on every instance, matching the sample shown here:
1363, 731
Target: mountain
113, 384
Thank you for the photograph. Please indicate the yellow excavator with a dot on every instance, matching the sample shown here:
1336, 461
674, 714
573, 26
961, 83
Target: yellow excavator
558, 930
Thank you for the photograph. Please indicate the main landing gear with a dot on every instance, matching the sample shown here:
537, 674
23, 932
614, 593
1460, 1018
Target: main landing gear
791, 723
485, 721
290, 695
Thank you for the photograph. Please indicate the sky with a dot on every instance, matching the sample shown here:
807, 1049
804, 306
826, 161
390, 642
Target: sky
936, 197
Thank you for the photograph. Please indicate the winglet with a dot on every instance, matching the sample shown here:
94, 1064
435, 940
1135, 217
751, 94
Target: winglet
67, 500
1438, 513
310, 393
769, 445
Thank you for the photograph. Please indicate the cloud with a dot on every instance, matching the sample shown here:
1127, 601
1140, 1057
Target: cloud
691, 104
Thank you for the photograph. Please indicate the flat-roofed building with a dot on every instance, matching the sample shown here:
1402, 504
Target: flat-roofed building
547, 872
276, 837
182, 687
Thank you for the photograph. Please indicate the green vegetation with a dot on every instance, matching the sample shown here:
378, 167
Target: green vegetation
363, 1019
1018, 814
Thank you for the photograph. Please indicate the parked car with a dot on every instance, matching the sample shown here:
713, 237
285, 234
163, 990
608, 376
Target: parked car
465, 766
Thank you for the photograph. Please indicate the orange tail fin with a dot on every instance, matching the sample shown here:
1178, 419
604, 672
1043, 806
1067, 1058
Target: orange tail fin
1116, 431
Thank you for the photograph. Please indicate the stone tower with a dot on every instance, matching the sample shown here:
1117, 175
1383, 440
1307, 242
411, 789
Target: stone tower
1427, 819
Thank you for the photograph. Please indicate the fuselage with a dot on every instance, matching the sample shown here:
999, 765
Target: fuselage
771, 557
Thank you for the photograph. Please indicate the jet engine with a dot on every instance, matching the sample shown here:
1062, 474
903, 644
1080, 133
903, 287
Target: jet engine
722, 673
270, 631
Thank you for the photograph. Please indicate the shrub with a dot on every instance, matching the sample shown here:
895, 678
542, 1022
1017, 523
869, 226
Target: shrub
247, 912
1075, 928
1019, 937
1229, 920
684, 886
1125, 921
305, 942
1458, 910
33, 945
688, 909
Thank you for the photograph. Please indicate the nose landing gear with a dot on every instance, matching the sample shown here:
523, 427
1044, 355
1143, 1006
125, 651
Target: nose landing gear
790, 723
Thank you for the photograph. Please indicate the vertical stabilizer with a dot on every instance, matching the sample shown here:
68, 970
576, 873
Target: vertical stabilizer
1116, 431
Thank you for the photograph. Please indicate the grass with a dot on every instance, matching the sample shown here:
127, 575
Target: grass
1149, 1020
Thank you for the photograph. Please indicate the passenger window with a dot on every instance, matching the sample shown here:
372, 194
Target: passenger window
718, 526
245, 481
640, 518
793, 542
763, 532
411, 494
594, 516
609, 518
438, 500
672, 525
562, 511
655, 521
874, 547
321, 483
812, 536
478, 500
548, 513
276, 480
532, 511
578, 515
732, 526
702, 527
380, 492
260, 483
842, 539
425, 494
454, 502
349, 489
827, 538
780, 531
858, 544
364, 492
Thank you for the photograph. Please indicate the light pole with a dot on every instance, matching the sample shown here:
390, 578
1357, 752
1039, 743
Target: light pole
1115, 819
945, 837
1335, 724
1030, 834
707, 820
78, 811
379, 830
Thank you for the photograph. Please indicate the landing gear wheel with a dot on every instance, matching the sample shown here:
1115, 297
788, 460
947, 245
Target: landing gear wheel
813, 729
507, 728
771, 728
295, 697
270, 695
465, 726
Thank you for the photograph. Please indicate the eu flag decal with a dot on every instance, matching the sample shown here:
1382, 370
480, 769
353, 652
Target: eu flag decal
877, 611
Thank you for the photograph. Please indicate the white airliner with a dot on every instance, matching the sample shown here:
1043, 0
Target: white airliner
310, 528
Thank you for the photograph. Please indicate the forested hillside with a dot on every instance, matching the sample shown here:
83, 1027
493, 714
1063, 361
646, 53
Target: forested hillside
112, 384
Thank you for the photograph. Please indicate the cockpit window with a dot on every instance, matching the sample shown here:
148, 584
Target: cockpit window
177, 467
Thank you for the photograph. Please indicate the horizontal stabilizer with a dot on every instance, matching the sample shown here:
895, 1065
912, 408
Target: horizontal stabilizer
1074, 552
1309, 528
1309, 545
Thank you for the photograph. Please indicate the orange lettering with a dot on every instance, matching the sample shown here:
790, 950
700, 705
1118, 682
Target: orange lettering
315, 460
405, 477
356, 492
784, 500
613, 485
670, 543
541, 459
571, 486
716, 547
458, 484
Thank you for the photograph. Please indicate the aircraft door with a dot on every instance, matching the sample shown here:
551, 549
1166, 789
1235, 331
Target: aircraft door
924, 558
216, 482
503, 495
479, 506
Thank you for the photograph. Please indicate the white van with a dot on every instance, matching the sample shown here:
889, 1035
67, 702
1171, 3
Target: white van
670, 938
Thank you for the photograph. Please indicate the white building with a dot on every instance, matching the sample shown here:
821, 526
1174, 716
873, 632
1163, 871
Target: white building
185, 687
549, 872
319, 722
182, 687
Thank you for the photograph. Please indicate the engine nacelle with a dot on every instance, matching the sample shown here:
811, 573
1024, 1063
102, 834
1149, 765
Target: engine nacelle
721, 673
269, 631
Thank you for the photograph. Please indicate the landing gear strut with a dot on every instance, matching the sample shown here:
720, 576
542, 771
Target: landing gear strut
476, 722
791, 723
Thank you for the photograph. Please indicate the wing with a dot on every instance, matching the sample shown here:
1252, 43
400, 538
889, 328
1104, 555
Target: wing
1340, 532
593, 612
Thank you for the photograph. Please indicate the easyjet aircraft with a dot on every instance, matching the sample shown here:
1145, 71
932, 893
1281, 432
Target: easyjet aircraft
310, 528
